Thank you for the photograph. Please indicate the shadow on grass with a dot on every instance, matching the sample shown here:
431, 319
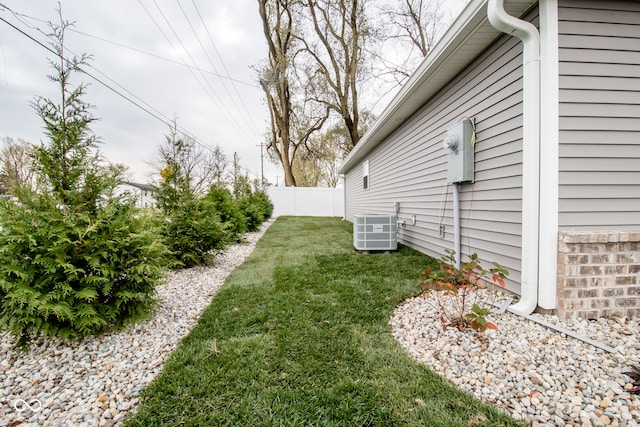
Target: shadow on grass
299, 335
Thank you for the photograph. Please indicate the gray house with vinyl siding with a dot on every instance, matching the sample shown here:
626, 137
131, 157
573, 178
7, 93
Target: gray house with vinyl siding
552, 89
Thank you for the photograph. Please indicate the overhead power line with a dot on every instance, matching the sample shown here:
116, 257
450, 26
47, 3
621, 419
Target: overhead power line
208, 89
135, 49
204, 25
132, 48
155, 113
104, 80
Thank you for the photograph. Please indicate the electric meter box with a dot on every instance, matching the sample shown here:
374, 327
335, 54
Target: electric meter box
459, 143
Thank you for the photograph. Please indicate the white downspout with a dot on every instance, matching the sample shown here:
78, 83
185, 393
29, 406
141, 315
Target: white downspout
530, 37
456, 223
549, 151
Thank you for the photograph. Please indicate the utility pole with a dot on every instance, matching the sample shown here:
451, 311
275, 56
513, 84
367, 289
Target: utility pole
235, 173
261, 166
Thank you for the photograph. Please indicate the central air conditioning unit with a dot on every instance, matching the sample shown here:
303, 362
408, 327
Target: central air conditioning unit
375, 232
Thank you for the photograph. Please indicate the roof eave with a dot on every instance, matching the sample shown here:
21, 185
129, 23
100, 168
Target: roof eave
467, 37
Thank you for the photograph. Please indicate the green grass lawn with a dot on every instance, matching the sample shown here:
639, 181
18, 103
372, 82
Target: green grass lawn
299, 336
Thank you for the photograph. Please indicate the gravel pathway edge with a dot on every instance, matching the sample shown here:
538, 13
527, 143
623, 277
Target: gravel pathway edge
97, 382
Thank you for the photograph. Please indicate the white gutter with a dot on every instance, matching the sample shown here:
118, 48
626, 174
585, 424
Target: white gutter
530, 37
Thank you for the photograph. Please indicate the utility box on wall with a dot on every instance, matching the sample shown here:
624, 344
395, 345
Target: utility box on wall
459, 143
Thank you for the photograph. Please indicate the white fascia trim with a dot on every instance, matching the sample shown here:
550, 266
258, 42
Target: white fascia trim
549, 153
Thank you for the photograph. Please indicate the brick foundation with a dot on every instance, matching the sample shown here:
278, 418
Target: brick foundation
598, 274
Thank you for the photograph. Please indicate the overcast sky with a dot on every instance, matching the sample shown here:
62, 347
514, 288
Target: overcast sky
140, 48
141, 54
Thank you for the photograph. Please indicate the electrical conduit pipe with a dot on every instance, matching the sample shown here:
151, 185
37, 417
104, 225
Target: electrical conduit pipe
456, 223
530, 38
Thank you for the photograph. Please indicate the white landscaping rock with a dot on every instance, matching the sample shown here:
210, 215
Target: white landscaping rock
529, 370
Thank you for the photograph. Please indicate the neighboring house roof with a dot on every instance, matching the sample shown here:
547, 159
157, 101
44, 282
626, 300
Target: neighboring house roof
145, 187
467, 37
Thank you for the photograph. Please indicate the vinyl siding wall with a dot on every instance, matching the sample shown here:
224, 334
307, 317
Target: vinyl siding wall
410, 167
599, 115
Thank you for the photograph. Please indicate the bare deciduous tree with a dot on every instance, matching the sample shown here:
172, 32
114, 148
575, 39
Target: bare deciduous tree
335, 44
321, 54
16, 165
421, 22
277, 25
219, 165
326, 154
199, 166
416, 25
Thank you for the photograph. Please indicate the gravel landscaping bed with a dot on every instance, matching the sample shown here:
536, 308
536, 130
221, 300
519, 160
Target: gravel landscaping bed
97, 382
532, 372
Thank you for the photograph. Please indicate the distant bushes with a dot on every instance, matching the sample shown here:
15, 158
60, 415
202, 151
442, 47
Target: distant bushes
256, 208
225, 205
194, 229
194, 226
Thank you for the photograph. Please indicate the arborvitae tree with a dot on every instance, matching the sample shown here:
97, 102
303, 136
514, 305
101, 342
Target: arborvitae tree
74, 258
226, 207
192, 228
254, 203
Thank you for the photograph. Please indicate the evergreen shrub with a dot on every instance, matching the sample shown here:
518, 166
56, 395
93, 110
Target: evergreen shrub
191, 231
75, 260
229, 212
256, 207
74, 273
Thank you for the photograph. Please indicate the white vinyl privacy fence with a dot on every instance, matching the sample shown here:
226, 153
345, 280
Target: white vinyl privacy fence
307, 201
